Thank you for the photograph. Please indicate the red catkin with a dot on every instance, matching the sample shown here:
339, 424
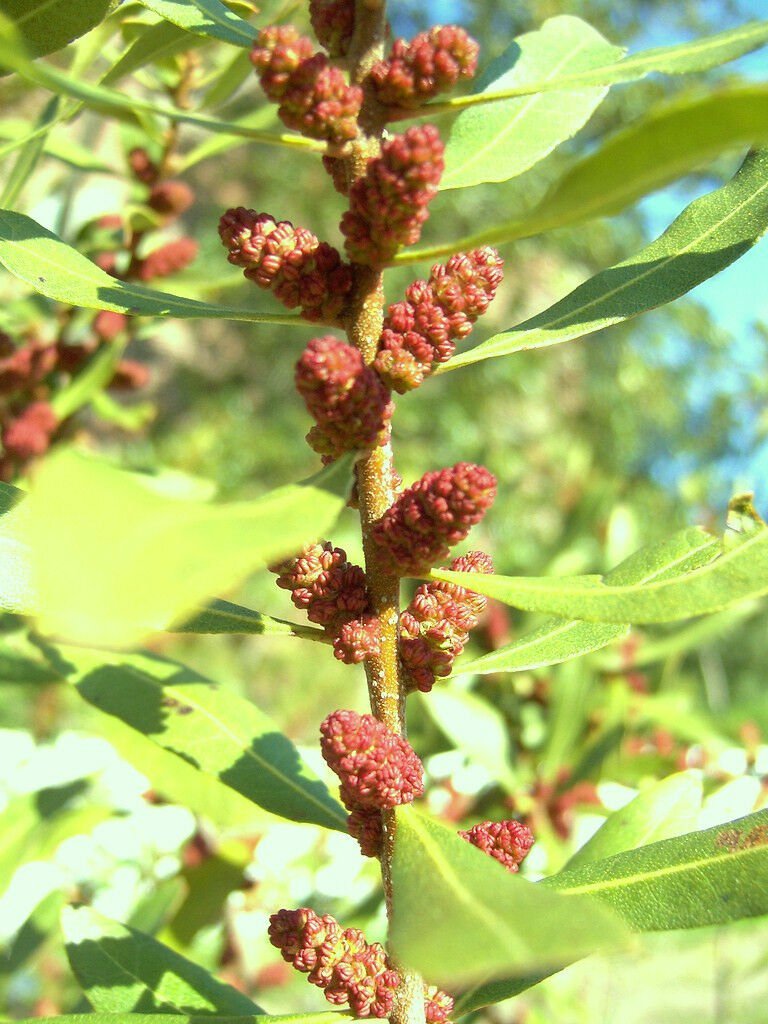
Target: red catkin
333, 22
171, 198
432, 515
168, 259
377, 768
291, 262
25, 366
508, 842
323, 583
366, 826
388, 205
433, 62
276, 54
358, 640
318, 102
435, 625
421, 332
29, 434
346, 398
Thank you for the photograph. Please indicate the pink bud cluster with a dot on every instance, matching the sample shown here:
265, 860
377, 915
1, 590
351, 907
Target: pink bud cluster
388, 205
333, 22
29, 434
167, 259
291, 262
347, 399
347, 968
333, 593
508, 842
314, 96
438, 511
377, 769
421, 332
433, 62
435, 625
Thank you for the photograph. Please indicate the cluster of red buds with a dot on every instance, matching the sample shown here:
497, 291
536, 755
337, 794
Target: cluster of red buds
436, 624
377, 768
438, 511
421, 332
314, 96
290, 262
433, 62
347, 399
348, 969
333, 22
388, 205
508, 842
333, 593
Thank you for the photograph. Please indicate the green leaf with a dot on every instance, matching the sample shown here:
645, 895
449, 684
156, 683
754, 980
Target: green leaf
708, 235
476, 728
328, 1017
459, 915
33, 825
224, 617
668, 143
48, 25
737, 574
558, 640
494, 143
212, 729
66, 150
14, 58
678, 59
56, 270
90, 380
153, 43
205, 17
704, 878
123, 971
667, 809
100, 556
28, 158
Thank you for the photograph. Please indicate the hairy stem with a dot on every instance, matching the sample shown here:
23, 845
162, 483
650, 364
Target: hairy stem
375, 473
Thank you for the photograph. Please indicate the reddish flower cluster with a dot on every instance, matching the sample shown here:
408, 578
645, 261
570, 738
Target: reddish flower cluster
334, 594
435, 625
142, 166
388, 205
422, 331
378, 769
167, 259
338, 172
340, 961
314, 96
29, 434
508, 842
291, 262
333, 22
365, 825
418, 529
431, 63
347, 399
170, 198
26, 366
347, 968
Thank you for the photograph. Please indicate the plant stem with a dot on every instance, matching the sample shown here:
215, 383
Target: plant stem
375, 473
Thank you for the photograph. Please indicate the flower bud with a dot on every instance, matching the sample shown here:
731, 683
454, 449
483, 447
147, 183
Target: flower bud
365, 825
318, 102
330, 589
508, 842
29, 434
358, 640
347, 399
432, 515
333, 22
171, 198
388, 205
168, 259
378, 769
433, 62
276, 54
142, 166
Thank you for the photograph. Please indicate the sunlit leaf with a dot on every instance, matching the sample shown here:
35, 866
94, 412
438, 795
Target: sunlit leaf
48, 25
708, 235
205, 17
493, 143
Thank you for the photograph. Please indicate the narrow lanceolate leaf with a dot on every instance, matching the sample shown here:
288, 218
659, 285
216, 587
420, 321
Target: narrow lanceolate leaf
329, 1017
494, 143
56, 270
696, 880
27, 159
678, 59
206, 18
739, 573
458, 915
558, 640
220, 734
667, 809
48, 25
224, 617
708, 235
122, 970
99, 556
670, 142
